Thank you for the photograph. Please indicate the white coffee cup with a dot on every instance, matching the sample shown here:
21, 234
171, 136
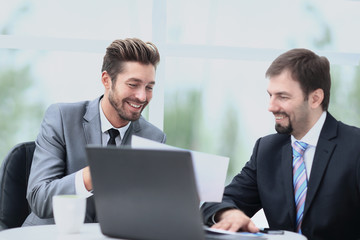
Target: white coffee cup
69, 213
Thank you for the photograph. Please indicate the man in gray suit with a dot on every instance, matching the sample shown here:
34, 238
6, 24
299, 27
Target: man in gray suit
59, 165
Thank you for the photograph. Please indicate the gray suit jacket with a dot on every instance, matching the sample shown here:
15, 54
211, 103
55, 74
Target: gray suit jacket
60, 152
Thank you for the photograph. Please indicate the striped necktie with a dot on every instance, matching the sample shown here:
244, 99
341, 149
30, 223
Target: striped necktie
299, 181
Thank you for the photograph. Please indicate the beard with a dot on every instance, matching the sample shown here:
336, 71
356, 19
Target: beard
288, 129
284, 129
119, 107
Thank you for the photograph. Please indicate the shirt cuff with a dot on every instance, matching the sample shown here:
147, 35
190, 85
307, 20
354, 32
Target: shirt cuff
80, 186
213, 218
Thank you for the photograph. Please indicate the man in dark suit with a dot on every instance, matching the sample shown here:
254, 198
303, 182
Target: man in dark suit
59, 165
307, 176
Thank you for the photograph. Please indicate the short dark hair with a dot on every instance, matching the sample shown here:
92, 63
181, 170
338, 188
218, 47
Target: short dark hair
128, 50
309, 69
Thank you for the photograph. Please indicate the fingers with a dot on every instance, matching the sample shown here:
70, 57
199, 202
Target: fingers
87, 178
234, 220
251, 227
227, 225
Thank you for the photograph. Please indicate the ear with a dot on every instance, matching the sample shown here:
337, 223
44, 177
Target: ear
316, 98
106, 80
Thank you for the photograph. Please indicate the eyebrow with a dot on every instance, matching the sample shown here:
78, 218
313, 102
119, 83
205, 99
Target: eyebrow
140, 81
279, 93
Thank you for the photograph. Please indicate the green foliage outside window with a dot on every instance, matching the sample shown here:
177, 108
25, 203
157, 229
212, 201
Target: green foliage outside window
20, 115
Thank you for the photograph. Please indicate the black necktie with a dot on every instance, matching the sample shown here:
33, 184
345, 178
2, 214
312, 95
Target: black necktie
113, 134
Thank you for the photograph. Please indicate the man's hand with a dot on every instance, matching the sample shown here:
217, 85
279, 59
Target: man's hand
234, 220
87, 178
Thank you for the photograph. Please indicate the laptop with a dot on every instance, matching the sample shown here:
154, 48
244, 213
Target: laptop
145, 193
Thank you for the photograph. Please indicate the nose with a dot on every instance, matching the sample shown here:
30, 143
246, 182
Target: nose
273, 107
141, 94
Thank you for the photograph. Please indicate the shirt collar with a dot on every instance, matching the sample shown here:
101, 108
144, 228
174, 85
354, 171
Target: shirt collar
312, 136
106, 125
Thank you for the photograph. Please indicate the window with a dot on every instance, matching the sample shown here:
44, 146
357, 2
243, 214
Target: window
210, 94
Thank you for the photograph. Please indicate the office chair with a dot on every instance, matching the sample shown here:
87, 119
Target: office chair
14, 174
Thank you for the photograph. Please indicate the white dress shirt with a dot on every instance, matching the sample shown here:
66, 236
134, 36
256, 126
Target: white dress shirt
311, 138
105, 126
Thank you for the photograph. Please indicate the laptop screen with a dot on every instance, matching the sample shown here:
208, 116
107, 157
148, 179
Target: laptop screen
145, 194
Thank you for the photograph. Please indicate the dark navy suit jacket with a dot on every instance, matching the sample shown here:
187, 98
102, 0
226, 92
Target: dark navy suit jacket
332, 206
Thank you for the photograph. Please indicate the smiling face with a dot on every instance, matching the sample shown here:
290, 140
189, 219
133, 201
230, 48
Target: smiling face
129, 94
293, 113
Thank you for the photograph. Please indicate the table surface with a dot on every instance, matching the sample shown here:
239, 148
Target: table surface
89, 231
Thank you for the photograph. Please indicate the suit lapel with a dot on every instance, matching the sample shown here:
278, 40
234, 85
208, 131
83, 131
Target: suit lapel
323, 153
133, 128
286, 164
92, 127
91, 123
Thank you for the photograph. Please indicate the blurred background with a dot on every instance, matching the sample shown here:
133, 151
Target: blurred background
210, 94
